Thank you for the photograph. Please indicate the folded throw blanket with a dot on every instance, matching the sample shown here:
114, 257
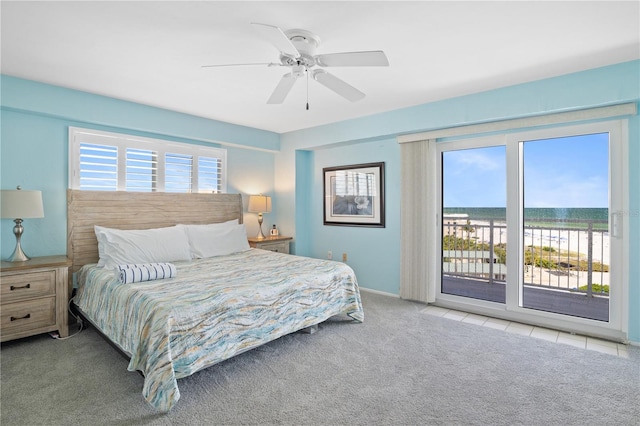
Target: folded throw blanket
146, 272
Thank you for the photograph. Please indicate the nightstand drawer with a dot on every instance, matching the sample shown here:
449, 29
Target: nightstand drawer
278, 244
27, 286
280, 247
24, 316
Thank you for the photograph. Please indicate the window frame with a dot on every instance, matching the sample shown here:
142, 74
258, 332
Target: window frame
161, 147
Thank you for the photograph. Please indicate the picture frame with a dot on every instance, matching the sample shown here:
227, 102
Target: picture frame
354, 195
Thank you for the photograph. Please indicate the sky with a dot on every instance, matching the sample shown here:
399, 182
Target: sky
558, 173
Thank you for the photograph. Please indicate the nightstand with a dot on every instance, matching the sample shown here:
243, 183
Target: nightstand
34, 297
278, 244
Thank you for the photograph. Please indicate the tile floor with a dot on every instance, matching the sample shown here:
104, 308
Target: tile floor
589, 343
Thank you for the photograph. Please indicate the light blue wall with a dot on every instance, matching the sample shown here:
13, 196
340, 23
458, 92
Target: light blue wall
373, 253
34, 151
372, 138
304, 187
43, 99
33, 154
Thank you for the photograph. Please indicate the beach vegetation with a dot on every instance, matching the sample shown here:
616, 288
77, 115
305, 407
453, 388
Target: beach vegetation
567, 260
500, 251
545, 263
595, 266
452, 242
468, 229
596, 288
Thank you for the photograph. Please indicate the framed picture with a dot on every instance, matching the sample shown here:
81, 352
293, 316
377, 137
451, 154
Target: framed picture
354, 195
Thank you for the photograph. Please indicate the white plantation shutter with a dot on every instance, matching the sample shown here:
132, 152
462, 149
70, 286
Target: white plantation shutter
98, 167
142, 170
210, 174
116, 162
178, 172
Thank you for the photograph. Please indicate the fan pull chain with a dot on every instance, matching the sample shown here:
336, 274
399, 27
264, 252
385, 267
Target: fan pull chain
307, 90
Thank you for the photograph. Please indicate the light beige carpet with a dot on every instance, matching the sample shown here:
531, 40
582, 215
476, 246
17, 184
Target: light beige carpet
399, 367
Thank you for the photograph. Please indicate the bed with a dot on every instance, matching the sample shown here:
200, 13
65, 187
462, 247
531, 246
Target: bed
206, 309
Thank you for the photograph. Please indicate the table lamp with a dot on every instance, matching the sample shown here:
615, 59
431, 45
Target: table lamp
259, 204
17, 204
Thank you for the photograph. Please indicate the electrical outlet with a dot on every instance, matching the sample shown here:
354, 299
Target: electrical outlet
344, 257
329, 255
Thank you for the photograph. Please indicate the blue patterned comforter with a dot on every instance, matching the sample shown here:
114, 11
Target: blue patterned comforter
212, 310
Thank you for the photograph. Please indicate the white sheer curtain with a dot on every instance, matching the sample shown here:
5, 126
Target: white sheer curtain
417, 280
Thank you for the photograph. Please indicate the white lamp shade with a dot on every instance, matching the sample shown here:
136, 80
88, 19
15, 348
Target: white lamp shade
259, 204
21, 204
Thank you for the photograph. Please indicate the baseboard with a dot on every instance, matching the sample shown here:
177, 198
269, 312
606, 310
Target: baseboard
381, 293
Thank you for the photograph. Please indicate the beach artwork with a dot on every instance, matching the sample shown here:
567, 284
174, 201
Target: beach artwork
354, 195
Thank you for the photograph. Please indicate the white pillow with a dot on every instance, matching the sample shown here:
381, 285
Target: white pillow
119, 247
215, 240
197, 228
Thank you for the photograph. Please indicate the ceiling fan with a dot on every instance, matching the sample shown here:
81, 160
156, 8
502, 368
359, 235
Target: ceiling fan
298, 52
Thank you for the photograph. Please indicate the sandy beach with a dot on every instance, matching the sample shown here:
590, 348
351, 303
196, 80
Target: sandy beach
575, 241
572, 241
563, 246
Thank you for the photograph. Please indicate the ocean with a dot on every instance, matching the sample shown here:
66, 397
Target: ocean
598, 215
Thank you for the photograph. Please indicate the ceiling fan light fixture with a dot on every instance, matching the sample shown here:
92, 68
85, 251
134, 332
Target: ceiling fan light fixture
298, 70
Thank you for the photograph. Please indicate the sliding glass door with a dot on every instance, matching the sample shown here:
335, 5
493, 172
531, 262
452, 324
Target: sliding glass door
566, 228
530, 224
474, 228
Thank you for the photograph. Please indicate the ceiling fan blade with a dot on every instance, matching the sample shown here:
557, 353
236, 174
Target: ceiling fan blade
374, 58
269, 64
282, 89
278, 38
340, 87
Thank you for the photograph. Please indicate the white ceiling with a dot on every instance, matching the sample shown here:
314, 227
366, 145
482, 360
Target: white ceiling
152, 52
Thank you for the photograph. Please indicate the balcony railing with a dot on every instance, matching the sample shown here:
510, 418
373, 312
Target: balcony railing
568, 255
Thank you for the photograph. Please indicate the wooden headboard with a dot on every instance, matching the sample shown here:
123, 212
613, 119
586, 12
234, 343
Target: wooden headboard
137, 210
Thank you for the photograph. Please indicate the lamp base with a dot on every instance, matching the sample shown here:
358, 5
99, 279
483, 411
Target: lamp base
260, 235
18, 255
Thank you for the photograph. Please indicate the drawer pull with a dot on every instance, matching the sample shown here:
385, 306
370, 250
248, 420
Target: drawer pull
13, 287
19, 318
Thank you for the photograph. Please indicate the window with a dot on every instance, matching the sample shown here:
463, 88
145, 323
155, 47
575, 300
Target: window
102, 161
